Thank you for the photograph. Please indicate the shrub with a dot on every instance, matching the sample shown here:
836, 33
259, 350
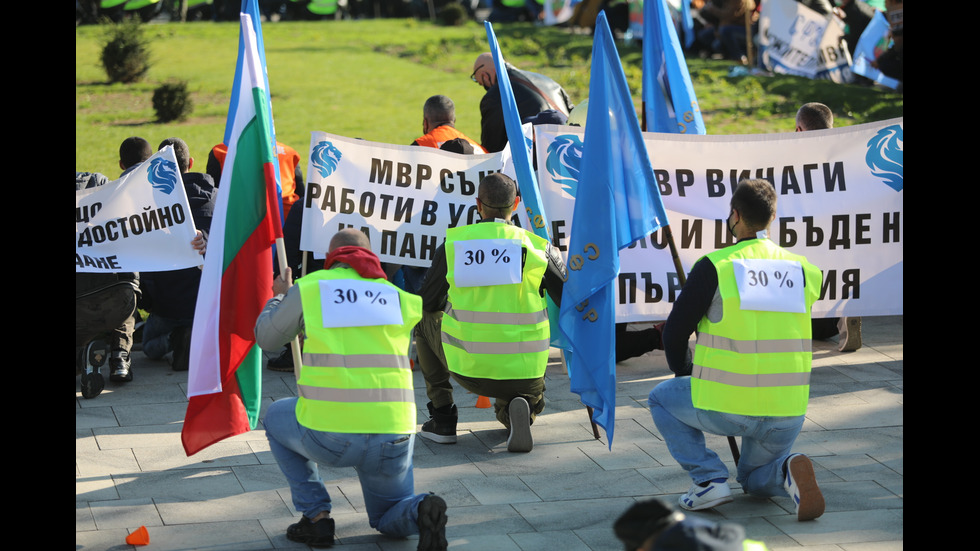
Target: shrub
125, 52
172, 102
452, 14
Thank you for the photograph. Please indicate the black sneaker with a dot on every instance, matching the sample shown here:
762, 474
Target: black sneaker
283, 362
180, 341
520, 426
432, 524
119, 368
314, 534
441, 426
93, 358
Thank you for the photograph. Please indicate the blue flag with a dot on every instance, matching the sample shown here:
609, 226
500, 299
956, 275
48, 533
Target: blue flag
251, 7
527, 181
617, 202
668, 96
687, 23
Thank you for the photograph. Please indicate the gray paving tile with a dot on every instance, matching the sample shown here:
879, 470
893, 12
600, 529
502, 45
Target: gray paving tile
843, 527
243, 535
589, 485
124, 513
573, 514
253, 505
566, 540
95, 488
151, 414
95, 417
500, 490
105, 462
181, 485
486, 520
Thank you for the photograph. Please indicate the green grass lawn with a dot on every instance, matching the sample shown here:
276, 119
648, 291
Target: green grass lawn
369, 78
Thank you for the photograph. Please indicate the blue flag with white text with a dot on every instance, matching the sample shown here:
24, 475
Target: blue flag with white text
617, 202
668, 95
527, 181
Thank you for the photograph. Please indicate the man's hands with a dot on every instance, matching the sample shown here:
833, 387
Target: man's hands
282, 283
200, 243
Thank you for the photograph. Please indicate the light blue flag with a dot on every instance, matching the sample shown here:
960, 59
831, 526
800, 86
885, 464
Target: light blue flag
668, 96
527, 181
687, 23
616, 203
251, 7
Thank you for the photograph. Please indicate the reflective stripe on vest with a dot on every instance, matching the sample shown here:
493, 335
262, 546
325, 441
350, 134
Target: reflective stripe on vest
497, 332
476, 347
355, 379
356, 360
766, 346
749, 380
356, 395
471, 316
754, 362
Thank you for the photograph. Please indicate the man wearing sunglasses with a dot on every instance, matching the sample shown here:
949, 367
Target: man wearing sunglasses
533, 94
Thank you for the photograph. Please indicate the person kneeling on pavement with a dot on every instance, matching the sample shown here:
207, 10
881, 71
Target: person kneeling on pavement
486, 322
356, 404
750, 375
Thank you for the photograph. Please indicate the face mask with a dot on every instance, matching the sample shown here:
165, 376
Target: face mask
731, 228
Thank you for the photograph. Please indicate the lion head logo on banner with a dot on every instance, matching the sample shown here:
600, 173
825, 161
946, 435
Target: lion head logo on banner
564, 161
325, 158
162, 175
884, 156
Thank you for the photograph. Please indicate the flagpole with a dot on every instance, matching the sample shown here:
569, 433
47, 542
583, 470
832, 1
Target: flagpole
294, 345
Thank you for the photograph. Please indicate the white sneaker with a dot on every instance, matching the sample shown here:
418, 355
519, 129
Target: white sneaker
712, 495
801, 485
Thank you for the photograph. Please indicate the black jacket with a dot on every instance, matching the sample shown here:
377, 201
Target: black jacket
530, 102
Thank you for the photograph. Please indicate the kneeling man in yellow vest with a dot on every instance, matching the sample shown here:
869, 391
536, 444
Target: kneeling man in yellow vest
485, 317
750, 304
356, 404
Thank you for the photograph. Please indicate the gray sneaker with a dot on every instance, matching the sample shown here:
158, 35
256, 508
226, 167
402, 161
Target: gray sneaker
93, 358
850, 334
520, 426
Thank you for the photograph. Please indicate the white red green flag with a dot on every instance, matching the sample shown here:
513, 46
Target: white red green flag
225, 376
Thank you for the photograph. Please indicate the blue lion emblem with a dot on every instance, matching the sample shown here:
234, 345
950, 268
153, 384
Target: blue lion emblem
884, 156
325, 158
162, 175
564, 161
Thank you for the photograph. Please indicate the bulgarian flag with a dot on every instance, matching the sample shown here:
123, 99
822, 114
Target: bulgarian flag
225, 376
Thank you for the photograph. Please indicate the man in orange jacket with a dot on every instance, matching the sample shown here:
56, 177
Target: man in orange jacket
439, 124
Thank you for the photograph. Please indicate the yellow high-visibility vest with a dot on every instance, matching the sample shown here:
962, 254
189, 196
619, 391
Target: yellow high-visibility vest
356, 379
497, 332
754, 362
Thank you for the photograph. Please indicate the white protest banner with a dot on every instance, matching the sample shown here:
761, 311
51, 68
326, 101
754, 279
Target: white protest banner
404, 197
874, 41
800, 41
140, 222
840, 205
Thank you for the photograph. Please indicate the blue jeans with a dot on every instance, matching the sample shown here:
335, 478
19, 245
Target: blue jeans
383, 463
766, 441
156, 335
